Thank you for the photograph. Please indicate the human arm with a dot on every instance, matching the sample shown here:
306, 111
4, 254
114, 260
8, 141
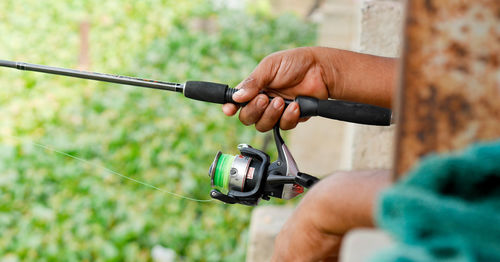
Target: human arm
335, 205
319, 72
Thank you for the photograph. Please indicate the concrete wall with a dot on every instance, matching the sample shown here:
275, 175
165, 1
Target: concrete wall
267, 222
381, 27
373, 147
321, 146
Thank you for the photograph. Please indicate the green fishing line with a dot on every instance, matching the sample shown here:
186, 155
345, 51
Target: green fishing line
222, 171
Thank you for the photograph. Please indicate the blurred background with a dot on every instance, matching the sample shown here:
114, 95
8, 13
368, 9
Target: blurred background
54, 208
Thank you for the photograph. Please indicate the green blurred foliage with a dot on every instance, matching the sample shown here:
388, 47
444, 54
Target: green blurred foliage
54, 208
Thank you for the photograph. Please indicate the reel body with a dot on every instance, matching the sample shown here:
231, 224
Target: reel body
250, 176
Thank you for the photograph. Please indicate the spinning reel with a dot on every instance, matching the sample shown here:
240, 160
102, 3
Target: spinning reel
250, 176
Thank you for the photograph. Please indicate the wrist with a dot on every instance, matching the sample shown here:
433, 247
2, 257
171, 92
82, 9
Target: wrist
357, 77
330, 62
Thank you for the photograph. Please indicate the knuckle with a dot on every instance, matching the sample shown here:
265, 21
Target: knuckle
260, 103
304, 119
288, 121
244, 120
282, 127
245, 123
261, 128
268, 59
274, 117
287, 125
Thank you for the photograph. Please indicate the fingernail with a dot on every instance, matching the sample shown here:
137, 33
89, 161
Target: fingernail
261, 102
239, 93
278, 103
295, 108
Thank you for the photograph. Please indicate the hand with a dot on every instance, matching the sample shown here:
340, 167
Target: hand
311, 71
284, 74
335, 205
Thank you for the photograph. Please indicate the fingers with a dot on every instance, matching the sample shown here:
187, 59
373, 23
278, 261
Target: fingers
271, 115
266, 116
304, 119
250, 89
253, 111
290, 117
229, 109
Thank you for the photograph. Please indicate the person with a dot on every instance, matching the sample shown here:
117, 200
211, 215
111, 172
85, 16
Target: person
341, 201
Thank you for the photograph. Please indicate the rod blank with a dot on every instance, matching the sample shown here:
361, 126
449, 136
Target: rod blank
5, 63
125, 80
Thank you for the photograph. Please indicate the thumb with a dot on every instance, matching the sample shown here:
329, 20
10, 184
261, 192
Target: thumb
248, 89
258, 80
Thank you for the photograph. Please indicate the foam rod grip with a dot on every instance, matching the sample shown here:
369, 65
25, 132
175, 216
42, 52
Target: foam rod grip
206, 91
345, 111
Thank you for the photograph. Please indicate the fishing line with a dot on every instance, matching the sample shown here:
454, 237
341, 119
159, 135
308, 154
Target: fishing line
111, 171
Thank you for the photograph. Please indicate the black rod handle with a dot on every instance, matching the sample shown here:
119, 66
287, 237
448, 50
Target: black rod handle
345, 111
309, 106
209, 92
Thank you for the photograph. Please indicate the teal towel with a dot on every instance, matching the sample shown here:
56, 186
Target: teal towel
446, 209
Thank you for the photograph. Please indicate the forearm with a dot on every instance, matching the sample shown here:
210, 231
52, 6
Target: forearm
345, 200
358, 77
333, 206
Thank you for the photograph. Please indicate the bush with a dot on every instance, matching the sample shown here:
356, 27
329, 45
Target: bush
57, 208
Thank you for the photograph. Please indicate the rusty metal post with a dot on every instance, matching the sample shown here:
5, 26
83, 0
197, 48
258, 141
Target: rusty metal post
449, 95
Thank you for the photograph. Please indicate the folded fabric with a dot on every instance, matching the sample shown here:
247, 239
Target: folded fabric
445, 209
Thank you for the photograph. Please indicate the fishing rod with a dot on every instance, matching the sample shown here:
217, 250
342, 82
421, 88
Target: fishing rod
221, 94
250, 176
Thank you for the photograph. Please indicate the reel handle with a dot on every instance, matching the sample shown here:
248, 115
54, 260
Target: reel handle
301, 179
309, 106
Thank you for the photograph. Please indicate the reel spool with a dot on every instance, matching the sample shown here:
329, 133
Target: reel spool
229, 172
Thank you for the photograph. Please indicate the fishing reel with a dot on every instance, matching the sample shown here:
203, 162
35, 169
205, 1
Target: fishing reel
250, 176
